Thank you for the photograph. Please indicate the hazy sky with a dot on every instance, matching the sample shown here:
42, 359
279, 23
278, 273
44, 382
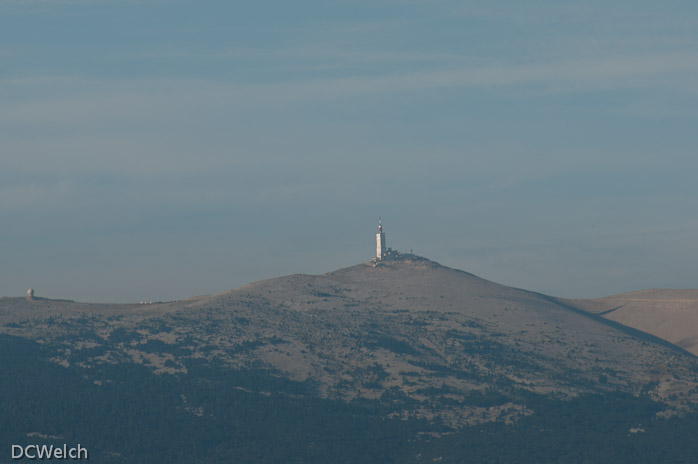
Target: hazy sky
155, 150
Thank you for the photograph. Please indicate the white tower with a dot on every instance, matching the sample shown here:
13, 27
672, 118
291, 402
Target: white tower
380, 242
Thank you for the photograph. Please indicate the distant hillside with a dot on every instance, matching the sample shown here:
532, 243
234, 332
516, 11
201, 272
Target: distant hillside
668, 314
407, 359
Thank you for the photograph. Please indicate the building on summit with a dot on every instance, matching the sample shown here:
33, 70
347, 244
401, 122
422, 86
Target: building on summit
380, 242
382, 251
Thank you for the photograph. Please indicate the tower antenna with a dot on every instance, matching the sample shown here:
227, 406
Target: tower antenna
380, 241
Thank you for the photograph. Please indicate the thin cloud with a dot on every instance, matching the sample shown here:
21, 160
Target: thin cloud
673, 70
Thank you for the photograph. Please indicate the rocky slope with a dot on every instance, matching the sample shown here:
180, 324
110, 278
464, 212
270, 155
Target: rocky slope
669, 314
438, 340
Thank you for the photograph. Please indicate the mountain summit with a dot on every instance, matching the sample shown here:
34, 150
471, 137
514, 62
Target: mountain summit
405, 338
413, 323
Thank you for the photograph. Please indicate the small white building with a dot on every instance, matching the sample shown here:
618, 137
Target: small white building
383, 252
380, 242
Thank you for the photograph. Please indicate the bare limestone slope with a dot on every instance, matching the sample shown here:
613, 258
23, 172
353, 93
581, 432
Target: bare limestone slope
426, 335
665, 313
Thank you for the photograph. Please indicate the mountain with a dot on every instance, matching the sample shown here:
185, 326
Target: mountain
669, 314
398, 361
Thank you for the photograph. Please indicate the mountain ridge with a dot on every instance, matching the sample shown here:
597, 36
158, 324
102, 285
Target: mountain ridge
396, 314
404, 348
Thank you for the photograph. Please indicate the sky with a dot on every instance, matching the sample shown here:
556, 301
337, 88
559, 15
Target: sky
154, 150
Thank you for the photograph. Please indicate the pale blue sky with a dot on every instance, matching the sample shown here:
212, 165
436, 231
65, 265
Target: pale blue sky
155, 150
